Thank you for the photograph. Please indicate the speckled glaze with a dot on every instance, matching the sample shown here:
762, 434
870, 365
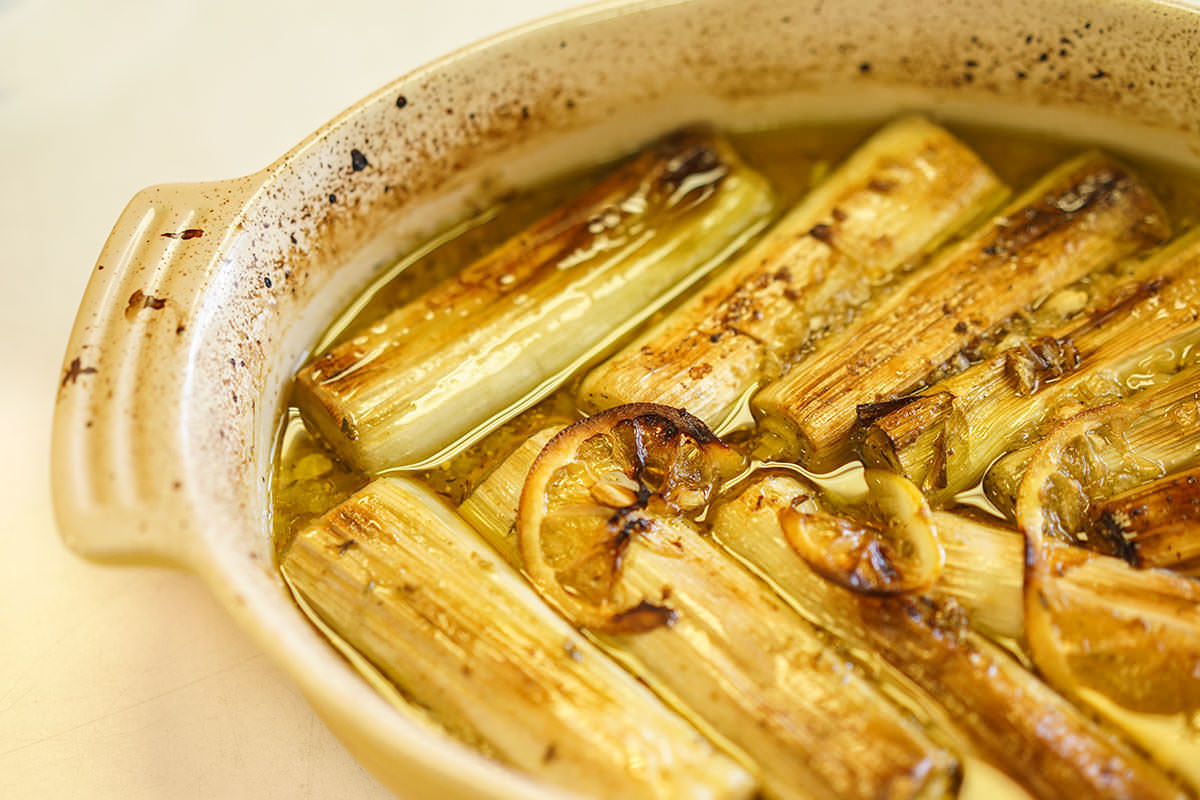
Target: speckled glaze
207, 296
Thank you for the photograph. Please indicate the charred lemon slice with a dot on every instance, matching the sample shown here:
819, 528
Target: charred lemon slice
888, 546
603, 486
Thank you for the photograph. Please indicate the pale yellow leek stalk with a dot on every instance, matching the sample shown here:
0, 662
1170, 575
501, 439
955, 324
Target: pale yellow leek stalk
512, 326
406, 582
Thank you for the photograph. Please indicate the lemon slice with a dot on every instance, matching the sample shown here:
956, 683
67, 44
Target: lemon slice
888, 547
607, 484
1067, 469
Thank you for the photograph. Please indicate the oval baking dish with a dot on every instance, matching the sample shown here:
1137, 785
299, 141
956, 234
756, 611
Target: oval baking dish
206, 297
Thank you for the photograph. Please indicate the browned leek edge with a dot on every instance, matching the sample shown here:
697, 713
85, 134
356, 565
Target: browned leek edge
511, 326
1083, 216
1155, 525
406, 583
983, 696
1165, 438
897, 197
946, 437
749, 670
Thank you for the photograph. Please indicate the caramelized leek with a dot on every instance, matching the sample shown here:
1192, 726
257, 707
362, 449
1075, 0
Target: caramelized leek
899, 195
750, 670
1156, 525
1081, 217
947, 437
984, 696
513, 325
405, 582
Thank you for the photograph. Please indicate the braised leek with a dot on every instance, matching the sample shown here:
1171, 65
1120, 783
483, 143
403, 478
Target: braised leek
1157, 433
1155, 525
983, 573
948, 436
983, 696
491, 508
512, 326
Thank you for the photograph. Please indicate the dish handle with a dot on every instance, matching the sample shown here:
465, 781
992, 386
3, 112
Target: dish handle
119, 445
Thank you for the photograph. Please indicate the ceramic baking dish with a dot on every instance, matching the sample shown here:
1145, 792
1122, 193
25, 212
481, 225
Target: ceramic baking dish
206, 297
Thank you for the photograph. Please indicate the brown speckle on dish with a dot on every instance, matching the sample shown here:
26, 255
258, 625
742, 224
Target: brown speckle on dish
188, 233
75, 370
140, 300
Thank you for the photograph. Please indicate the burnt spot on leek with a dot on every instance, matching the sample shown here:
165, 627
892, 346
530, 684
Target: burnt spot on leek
1154, 525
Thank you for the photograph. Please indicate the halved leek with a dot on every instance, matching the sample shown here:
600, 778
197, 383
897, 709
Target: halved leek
907, 189
513, 325
1081, 217
947, 437
406, 582
749, 670
982, 694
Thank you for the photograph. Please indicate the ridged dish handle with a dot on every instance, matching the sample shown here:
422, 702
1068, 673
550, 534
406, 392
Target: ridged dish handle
119, 436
